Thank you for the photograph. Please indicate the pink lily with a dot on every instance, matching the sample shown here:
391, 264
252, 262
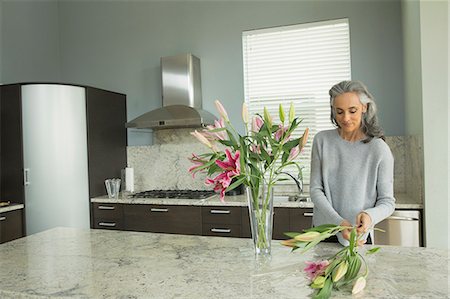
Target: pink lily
213, 136
231, 168
279, 133
315, 269
198, 163
255, 149
257, 123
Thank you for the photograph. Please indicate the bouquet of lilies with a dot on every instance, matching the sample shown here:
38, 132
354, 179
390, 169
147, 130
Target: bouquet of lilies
342, 269
248, 159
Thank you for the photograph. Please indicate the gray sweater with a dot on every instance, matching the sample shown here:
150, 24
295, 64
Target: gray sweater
350, 177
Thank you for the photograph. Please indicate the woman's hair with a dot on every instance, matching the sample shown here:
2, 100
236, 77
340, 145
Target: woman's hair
369, 122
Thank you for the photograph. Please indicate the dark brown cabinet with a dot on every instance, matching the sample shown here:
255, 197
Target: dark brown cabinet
163, 219
106, 139
11, 225
195, 220
284, 220
221, 221
108, 216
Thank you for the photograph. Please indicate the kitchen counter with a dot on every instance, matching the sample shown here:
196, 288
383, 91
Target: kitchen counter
11, 207
280, 201
82, 263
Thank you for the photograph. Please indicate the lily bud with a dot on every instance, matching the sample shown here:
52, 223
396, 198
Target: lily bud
291, 112
293, 153
359, 285
318, 282
267, 118
281, 113
289, 243
305, 137
201, 138
340, 271
307, 237
221, 110
245, 116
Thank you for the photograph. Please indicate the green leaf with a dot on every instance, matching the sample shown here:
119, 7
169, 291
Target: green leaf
226, 143
373, 250
292, 235
325, 292
332, 265
352, 241
236, 184
321, 228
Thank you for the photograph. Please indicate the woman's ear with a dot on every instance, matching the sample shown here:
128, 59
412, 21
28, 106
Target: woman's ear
364, 109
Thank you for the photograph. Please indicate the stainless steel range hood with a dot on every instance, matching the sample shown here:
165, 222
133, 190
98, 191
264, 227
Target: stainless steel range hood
181, 97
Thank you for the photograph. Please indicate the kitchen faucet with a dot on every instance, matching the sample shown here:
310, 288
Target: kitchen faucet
298, 182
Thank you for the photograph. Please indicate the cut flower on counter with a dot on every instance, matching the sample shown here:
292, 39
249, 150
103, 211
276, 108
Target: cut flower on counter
344, 269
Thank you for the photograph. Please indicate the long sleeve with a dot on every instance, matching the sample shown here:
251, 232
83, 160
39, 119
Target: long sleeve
322, 205
385, 203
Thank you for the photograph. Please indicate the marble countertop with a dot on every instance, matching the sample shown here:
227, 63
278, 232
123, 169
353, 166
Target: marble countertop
83, 263
402, 201
11, 207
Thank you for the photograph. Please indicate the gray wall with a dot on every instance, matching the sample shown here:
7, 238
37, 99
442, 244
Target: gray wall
30, 41
117, 46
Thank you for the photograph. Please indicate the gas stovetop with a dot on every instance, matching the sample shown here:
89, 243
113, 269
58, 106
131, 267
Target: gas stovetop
183, 194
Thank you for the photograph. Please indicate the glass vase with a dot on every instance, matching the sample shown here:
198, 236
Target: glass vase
260, 208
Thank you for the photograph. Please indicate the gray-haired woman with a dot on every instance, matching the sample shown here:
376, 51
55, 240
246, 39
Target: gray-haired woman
351, 166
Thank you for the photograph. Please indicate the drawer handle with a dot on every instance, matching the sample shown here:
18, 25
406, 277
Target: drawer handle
106, 208
159, 210
220, 212
221, 230
2, 218
308, 214
108, 224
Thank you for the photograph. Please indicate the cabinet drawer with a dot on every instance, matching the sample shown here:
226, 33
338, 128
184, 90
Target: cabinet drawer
222, 215
163, 219
107, 211
300, 219
223, 230
10, 225
108, 223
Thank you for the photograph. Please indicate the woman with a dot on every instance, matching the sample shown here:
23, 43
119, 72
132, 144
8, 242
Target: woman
352, 166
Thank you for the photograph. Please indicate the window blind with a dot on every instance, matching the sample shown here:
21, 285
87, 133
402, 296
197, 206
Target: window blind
299, 64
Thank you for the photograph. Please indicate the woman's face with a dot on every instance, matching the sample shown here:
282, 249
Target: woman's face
348, 111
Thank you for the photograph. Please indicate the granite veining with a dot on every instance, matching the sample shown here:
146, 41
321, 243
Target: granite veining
82, 263
11, 207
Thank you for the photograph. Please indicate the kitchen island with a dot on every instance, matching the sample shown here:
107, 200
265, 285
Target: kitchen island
77, 263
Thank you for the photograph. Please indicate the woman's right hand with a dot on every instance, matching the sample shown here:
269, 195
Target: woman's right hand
346, 232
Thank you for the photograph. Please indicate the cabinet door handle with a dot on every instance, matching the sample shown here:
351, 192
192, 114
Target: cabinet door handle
2, 218
220, 212
159, 210
221, 230
108, 224
26, 176
308, 214
106, 208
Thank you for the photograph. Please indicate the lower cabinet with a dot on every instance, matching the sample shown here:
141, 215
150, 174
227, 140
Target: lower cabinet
221, 221
108, 216
11, 225
163, 219
195, 220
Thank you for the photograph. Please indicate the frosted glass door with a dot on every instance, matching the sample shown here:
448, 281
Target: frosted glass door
55, 157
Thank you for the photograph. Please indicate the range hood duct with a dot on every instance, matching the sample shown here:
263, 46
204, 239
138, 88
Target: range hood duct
181, 97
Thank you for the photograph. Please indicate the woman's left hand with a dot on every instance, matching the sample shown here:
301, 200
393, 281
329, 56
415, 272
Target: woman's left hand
363, 223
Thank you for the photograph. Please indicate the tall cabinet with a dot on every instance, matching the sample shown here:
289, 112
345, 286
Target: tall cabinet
59, 143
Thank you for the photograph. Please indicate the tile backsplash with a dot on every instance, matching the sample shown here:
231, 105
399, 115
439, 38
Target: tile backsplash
165, 164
